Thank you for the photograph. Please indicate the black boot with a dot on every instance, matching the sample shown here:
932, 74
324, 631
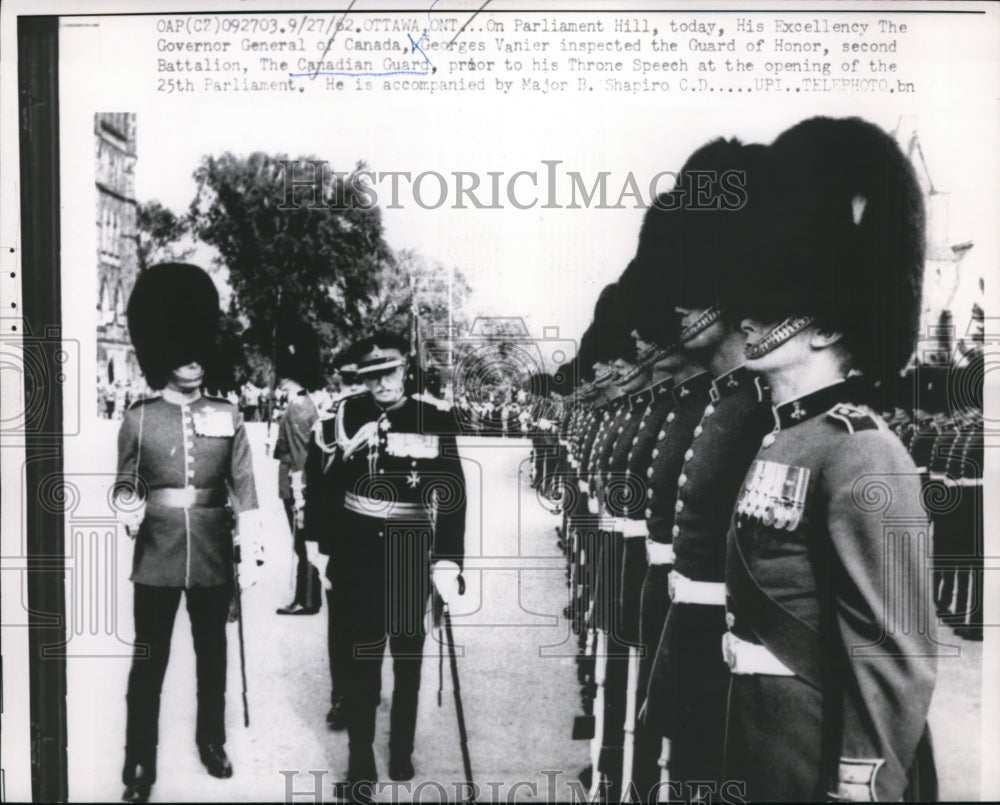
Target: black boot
138, 779
336, 718
215, 760
400, 767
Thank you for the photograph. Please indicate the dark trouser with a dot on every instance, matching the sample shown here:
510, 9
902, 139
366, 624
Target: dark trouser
696, 681
607, 617
307, 584
154, 610
380, 590
774, 739
653, 609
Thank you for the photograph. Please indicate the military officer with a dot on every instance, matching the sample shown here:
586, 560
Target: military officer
385, 501
830, 688
182, 456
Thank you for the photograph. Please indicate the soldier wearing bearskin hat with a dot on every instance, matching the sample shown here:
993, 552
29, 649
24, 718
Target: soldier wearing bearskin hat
385, 506
830, 688
710, 244
182, 456
299, 372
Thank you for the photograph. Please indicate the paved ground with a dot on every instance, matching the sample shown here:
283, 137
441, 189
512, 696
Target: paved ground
517, 673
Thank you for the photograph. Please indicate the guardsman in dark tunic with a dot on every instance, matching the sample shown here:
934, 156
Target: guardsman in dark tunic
182, 457
689, 681
297, 365
385, 501
832, 641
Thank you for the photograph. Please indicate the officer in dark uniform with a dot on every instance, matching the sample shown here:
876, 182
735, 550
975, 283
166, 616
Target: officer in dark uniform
182, 456
297, 365
689, 682
831, 642
385, 501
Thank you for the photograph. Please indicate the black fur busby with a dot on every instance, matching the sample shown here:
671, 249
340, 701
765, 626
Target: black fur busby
612, 327
696, 238
846, 241
297, 354
173, 320
586, 355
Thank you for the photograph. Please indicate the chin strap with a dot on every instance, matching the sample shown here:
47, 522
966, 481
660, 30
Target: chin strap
776, 336
702, 323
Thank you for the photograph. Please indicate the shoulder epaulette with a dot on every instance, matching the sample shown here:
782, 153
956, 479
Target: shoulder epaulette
854, 418
143, 401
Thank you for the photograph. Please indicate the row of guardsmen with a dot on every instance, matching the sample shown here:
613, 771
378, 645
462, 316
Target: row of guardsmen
736, 513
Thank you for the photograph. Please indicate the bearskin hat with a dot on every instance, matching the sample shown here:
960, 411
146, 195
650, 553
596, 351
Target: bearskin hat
173, 320
695, 238
297, 353
845, 241
612, 327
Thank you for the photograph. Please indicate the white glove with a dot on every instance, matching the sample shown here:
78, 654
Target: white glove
130, 516
250, 529
320, 562
298, 498
448, 581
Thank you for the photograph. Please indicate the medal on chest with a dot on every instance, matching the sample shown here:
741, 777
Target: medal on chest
774, 495
213, 423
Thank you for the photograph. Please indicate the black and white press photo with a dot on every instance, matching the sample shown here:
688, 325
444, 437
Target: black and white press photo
462, 401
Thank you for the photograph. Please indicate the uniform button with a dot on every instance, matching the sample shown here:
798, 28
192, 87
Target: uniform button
635, 440
671, 416
649, 494
649, 472
381, 472
676, 530
679, 506
768, 440
698, 431
628, 415
656, 452
413, 463
621, 428
682, 479
689, 454
380, 533
662, 435
648, 513
709, 409
629, 455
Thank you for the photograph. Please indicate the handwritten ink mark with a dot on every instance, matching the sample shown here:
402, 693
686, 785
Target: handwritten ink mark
329, 43
460, 30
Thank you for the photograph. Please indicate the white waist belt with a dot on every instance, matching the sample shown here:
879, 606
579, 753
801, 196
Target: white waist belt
744, 657
659, 553
632, 528
384, 509
593, 506
687, 591
623, 525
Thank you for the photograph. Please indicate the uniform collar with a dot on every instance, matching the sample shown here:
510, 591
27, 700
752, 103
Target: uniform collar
796, 411
661, 387
176, 398
693, 385
728, 382
640, 399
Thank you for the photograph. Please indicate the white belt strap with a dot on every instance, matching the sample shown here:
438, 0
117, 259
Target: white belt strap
659, 553
632, 528
744, 657
687, 591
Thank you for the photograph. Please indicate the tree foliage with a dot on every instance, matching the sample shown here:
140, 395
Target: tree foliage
311, 251
161, 235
